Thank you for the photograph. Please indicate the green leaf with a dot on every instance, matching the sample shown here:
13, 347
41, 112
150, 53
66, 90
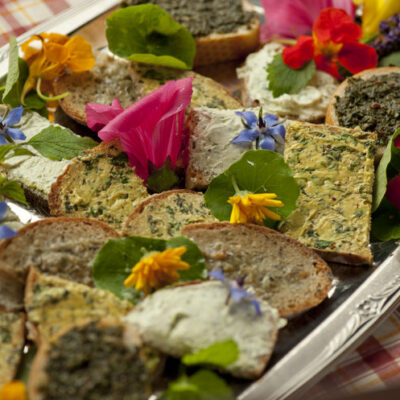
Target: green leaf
386, 223
258, 171
283, 79
162, 179
391, 60
390, 159
19, 151
34, 102
10, 150
18, 72
219, 354
13, 190
116, 258
25, 364
203, 385
147, 34
58, 143
5, 149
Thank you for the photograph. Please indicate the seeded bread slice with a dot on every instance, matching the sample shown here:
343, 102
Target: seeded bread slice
277, 268
93, 360
12, 340
99, 184
54, 303
163, 215
192, 317
65, 247
11, 289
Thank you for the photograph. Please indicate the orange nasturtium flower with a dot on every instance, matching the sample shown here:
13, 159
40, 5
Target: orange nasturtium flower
252, 208
49, 54
157, 269
14, 390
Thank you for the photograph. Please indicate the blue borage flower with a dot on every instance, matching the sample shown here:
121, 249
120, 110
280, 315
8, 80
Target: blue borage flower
236, 290
268, 132
5, 231
6, 130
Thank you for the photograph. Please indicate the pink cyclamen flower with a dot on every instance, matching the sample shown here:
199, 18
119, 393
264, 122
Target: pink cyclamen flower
99, 115
151, 129
393, 191
293, 18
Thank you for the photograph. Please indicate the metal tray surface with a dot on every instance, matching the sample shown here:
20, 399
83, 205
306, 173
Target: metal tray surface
361, 297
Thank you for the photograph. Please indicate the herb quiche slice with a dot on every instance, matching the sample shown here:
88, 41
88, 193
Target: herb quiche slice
99, 184
335, 170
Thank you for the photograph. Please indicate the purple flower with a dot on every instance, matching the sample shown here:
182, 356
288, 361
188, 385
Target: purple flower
6, 130
236, 290
268, 131
5, 231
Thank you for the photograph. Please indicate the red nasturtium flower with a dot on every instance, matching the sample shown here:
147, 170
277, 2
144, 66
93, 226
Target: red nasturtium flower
334, 41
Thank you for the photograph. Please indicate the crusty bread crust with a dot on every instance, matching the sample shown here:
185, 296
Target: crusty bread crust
322, 269
11, 289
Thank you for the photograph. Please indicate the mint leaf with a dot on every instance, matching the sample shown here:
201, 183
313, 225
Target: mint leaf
115, 260
13, 190
147, 34
18, 72
203, 385
258, 171
59, 143
12, 150
283, 79
391, 60
219, 354
162, 179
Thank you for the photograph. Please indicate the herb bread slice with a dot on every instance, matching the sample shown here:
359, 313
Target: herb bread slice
53, 303
335, 170
98, 184
163, 215
12, 340
65, 247
94, 360
192, 317
277, 268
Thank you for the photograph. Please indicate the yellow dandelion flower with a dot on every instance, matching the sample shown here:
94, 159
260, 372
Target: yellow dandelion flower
157, 269
14, 390
252, 208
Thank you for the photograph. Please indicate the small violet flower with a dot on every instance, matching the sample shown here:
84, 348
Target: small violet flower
236, 290
268, 131
6, 130
5, 231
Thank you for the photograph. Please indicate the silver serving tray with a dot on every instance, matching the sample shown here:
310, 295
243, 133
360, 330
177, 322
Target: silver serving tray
312, 342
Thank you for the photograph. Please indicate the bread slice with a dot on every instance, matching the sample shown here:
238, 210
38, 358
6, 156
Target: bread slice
92, 87
93, 360
192, 317
277, 268
54, 303
11, 289
332, 117
99, 184
12, 340
65, 247
163, 215
334, 168
309, 104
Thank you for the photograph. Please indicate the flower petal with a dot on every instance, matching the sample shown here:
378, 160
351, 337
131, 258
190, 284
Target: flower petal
250, 118
80, 56
326, 64
270, 119
6, 232
14, 116
217, 274
2, 140
32, 47
245, 137
277, 130
267, 143
303, 51
356, 57
15, 134
3, 209
393, 191
99, 115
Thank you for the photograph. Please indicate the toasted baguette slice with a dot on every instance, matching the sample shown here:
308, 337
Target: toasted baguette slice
93, 360
275, 267
65, 247
90, 87
163, 215
99, 184
12, 340
332, 117
334, 168
11, 289
195, 316
53, 303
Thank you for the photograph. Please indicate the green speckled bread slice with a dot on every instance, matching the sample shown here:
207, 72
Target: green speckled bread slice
163, 215
277, 268
12, 340
94, 360
99, 184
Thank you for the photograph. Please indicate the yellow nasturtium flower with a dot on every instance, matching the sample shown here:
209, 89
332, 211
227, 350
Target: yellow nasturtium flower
251, 208
157, 269
374, 12
14, 390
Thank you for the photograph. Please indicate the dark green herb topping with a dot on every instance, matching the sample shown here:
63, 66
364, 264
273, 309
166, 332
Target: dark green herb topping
372, 104
202, 17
